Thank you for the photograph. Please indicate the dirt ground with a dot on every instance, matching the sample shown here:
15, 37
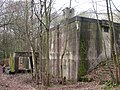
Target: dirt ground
24, 82
15, 82
79, 86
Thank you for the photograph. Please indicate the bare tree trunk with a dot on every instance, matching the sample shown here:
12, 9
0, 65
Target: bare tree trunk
36, 63
40, 28
47, 12
112, 38
58, 54
29, 36
40, 43
101, 36
61, 62
115, 48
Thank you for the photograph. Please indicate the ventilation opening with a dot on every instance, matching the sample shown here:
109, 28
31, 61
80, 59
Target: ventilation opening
106, 29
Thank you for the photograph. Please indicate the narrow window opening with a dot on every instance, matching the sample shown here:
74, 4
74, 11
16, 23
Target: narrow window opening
106, 29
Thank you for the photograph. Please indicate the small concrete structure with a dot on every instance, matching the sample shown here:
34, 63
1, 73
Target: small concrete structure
17, 55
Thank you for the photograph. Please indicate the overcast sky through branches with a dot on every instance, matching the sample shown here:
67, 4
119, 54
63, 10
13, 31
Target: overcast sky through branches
84, 5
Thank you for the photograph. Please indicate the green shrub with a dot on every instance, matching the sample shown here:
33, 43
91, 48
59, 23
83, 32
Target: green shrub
109, 84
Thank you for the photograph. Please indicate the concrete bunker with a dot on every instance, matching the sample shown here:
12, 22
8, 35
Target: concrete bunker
17, 56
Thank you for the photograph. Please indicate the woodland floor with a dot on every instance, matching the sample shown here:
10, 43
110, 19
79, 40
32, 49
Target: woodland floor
24, 82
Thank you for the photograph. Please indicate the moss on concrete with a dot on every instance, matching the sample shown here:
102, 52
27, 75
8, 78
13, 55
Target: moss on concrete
82, 70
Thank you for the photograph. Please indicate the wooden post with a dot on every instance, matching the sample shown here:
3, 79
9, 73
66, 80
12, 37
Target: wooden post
16, 64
